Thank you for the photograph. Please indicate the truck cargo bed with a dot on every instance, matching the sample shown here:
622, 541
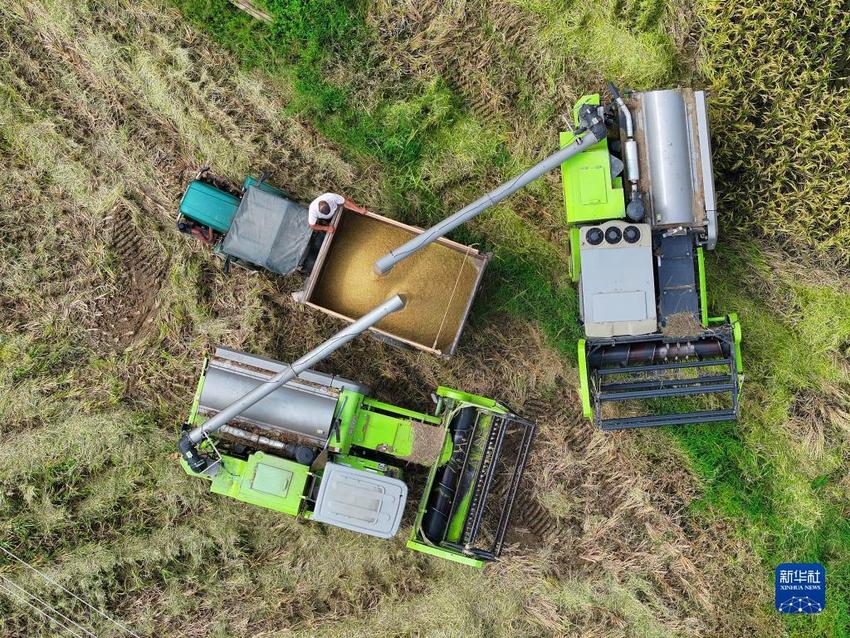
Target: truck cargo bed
439, 283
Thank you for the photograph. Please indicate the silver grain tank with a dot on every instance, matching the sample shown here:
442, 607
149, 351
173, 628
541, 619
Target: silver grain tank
674, 155
246, 391
302, 408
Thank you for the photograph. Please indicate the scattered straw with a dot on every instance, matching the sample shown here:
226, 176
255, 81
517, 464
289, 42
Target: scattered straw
681, 324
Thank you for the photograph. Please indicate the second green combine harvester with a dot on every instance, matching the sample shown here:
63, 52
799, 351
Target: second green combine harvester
303, 443
640, 207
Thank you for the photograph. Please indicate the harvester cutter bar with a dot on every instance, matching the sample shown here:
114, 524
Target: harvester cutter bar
657, 386
663, 366
709, 416
519, 469
666, 383
483, 480
654, 392
484, 483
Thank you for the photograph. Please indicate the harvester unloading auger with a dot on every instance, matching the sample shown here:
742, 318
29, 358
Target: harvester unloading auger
640, 206
304, 443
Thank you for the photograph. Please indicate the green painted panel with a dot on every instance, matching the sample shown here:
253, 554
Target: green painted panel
447, 554
590, 194
703, 288
575, 253
263, 480
584, 385
592, 189
209, 206
384, 433
228, 480
394, 409
347, 407
471, 399
272, 480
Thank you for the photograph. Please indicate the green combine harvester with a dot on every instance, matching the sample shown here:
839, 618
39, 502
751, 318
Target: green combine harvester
312, 445
640, 206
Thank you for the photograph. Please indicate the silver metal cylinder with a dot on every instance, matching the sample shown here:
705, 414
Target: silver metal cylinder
256, 439
290, 372
627, 115
668, 150
632, 164
293, 408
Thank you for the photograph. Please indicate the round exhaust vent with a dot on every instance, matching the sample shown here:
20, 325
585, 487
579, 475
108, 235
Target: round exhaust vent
613, 235
631, 234
594, 236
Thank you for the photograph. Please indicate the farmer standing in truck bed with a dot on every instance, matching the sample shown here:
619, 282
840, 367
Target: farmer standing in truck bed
324, 207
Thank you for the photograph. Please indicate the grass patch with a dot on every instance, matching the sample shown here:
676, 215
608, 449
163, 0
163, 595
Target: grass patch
780, 473
644, 52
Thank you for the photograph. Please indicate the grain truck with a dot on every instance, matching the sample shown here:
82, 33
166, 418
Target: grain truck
259, 227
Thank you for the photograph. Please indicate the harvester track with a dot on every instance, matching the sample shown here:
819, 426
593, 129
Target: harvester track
128, 312
532, 524
529, 513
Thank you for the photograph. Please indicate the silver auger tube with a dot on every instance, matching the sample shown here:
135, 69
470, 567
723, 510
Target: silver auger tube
191, 438
591, 137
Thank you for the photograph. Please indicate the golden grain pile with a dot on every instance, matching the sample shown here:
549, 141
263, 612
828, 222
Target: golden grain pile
436, 282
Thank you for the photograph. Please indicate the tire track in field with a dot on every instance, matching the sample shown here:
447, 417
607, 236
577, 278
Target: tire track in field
127, 315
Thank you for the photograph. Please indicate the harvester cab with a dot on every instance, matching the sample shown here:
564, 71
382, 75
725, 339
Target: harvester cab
313, 445
640, 207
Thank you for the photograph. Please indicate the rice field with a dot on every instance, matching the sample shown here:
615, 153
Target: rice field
109, 107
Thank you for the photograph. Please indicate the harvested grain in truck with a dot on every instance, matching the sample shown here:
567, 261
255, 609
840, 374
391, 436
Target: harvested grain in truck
437, 282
